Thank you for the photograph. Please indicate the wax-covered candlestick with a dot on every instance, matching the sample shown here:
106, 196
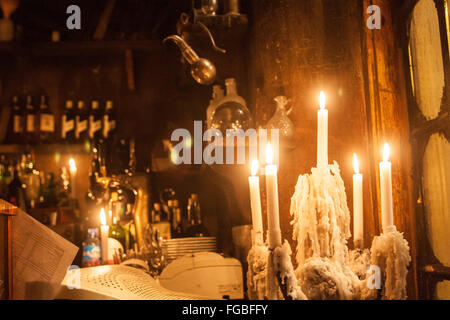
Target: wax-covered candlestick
273, 219
387, 213
358, 217
322, 133
73, 177
104, 233
255, 203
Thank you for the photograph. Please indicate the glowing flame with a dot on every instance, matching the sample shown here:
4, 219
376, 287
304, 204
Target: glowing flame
72, 164
269, 154
355, 163
255, 167
322, 100
102, 217
386, 152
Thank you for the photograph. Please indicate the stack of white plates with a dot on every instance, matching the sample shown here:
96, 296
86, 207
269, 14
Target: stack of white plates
175, 248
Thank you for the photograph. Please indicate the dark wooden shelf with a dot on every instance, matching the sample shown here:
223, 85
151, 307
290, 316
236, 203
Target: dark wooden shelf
78, 48
45, 148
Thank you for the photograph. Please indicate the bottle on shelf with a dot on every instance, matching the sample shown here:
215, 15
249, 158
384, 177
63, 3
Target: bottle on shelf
109, 120
30, 122
68, 123
117, 232
49, 192
81, 122
16, 190
46, 122
160, 222
177, 227
95, 122
196, 228
16, 132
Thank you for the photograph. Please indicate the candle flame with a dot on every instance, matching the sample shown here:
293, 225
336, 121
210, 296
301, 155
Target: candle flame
322, 100
72, 164
386, 152
102, 217
269, 154
355, 163
255, 167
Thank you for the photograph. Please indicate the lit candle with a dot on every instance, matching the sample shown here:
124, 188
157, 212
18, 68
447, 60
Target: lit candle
358, 217
104, 232
322, 133
387, 215
255, 203
73, 175
273, 219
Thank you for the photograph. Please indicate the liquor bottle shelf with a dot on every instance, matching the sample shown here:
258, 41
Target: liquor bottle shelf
45, 148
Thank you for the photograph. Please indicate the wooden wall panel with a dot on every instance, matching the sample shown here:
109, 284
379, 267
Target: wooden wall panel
299, 48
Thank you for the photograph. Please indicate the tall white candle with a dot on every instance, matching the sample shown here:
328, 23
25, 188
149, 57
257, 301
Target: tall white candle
358, 217
255, 203
273, 219
387, 214
104, 233
73, 177
322, 133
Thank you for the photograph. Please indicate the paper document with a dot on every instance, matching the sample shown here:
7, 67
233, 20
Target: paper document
39, 255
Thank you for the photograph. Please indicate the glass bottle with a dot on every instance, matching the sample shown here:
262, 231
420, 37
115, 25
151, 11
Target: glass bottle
231, 113
196, 229
16, 134
177, 227
280, 119
46, 122
91, 249
30, 122
16, 190
81, 122
68, 123
117, 232
95, 122
109, 120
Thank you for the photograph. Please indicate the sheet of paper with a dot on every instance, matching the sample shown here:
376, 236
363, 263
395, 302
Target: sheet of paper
39, 255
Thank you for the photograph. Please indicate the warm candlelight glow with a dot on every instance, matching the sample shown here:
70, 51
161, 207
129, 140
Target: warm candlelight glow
269, 154
355, 163
255, 167
102, 217
73, 166
386, 152
322, 100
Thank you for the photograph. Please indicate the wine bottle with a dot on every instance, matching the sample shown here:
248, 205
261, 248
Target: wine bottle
68, 123
95, 122
81, 122
196, 229
46, 122
16, 190
109, 120
16, 132
30, 122
177, 228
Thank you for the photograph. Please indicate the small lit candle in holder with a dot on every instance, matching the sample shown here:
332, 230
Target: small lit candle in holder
255, 203
387, 213
104, 234
322, 133
273, 219
73, 176
358, 216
